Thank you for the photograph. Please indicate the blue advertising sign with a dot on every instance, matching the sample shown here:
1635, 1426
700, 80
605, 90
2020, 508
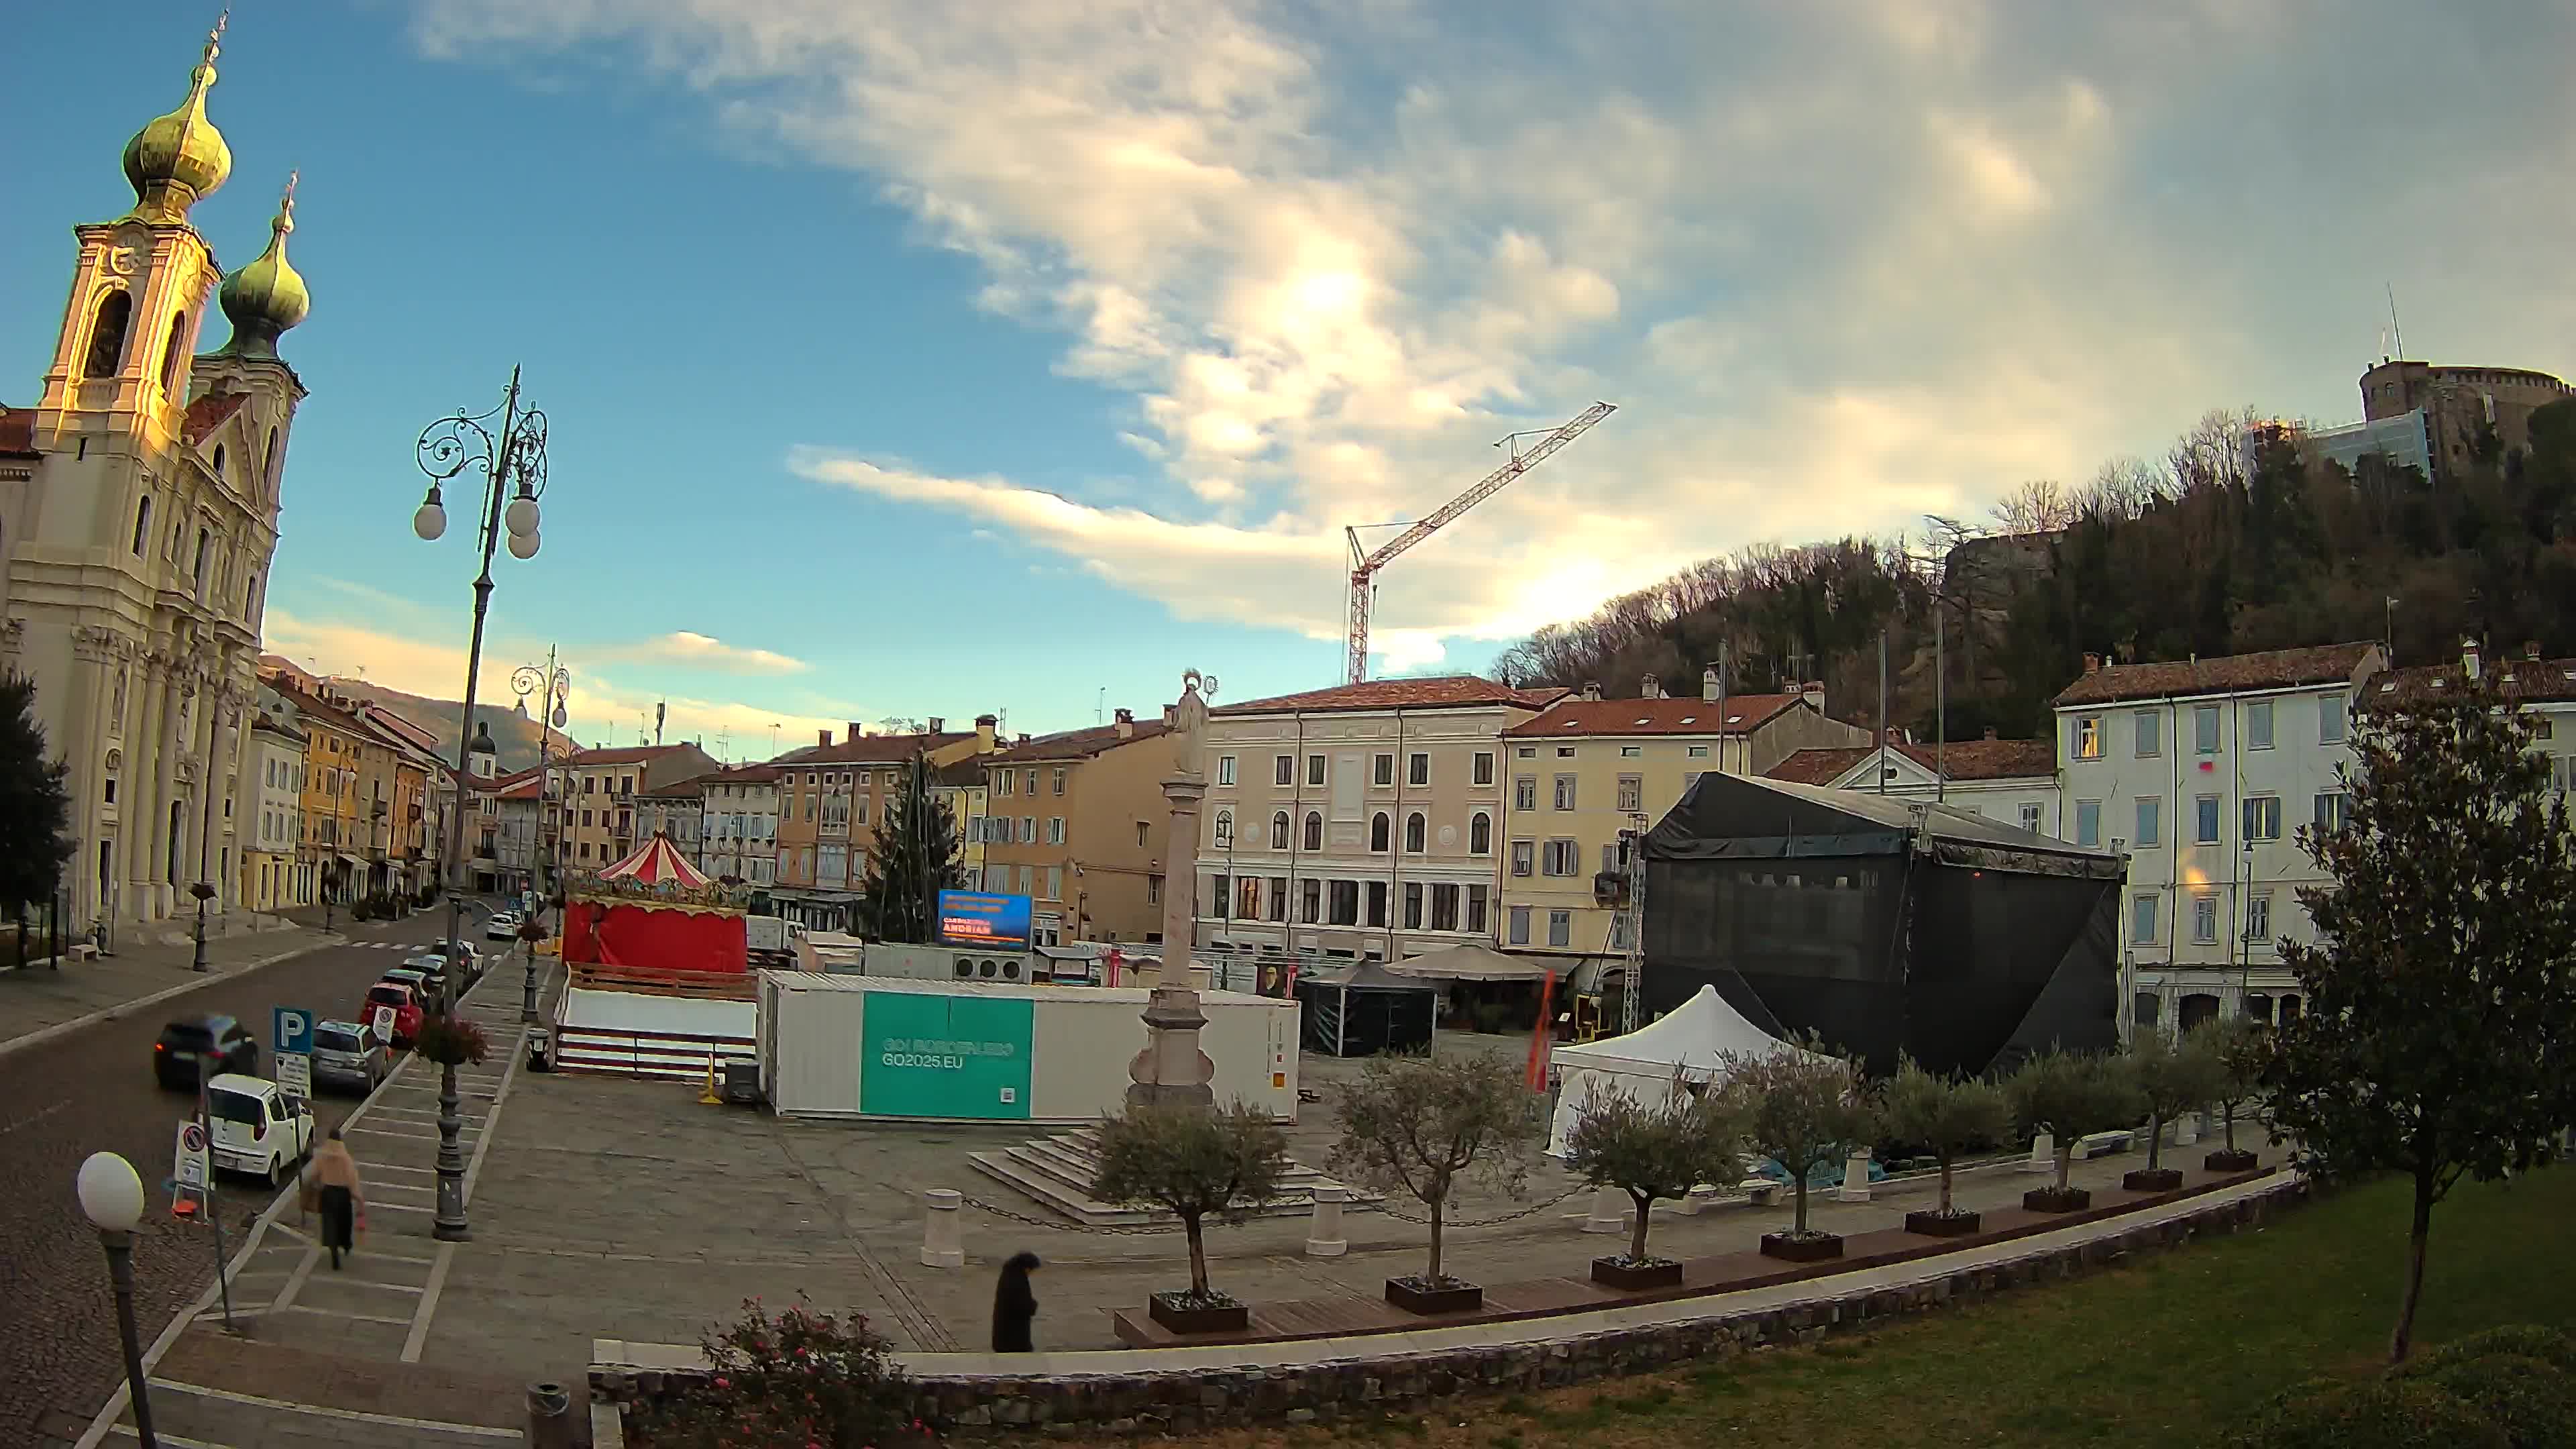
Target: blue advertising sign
973, 918
293, 1030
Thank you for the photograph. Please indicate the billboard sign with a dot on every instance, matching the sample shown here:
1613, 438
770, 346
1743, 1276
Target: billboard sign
976, 918
946, 1056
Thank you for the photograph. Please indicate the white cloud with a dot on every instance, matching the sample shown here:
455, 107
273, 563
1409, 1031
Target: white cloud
699, 651
1841, 264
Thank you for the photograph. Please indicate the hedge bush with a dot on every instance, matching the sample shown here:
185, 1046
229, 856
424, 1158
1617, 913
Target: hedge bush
2533, 1402
2526, 1340
2381, 1413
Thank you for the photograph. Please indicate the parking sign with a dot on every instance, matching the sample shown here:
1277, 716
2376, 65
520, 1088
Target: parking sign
294, 1031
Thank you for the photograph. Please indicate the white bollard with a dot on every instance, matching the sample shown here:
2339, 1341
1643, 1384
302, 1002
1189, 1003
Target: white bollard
2043, 1154
2186, 1129
1855, 1186
943, 1244
1324, 1235
1610, 1209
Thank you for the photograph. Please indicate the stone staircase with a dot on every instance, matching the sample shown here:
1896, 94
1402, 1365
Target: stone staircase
1058, 1170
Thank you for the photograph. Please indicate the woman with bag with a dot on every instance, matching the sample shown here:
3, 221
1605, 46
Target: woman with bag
331, 1188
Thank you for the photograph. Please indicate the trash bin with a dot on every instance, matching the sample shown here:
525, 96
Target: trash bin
541, 1050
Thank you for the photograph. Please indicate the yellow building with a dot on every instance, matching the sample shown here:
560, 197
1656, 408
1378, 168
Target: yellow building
333, 843
1078, 825
600, 787
962, 787
1586, 769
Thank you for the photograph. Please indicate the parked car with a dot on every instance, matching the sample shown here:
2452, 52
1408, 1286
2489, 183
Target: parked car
193, 1047
504, 926
469, 962
432, 969
256, 1128
406, 1004
349, 1054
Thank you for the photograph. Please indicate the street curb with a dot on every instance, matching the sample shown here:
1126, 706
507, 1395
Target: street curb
61, 1029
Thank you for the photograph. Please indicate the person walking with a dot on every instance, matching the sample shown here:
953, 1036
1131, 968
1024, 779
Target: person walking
331, 1188
1014, 1306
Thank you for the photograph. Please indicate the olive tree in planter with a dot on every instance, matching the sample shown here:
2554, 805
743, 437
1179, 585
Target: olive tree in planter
1195, 1163
1651, 1151
1421, 1125
2068, 1095
1946, 1116
1804, 1108
2242, 1048
2172, 1078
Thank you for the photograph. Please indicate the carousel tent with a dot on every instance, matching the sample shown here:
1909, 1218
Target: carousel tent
654, 912
657, 862
1694, 1041
1366, 1011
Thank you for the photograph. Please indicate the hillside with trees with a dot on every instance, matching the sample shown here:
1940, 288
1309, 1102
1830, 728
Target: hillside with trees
2235, 540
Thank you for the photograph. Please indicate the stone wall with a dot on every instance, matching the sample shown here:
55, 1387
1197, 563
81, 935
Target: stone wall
1182, 1402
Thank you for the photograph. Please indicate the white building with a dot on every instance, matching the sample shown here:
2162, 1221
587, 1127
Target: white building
2544, 687
273, 879
2203, 771
740, 837
2010, 781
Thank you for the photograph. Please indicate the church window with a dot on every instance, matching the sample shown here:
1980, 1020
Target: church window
142, 524
174, 352
250, 597
268, 462
219, 462
107, 334
204, 539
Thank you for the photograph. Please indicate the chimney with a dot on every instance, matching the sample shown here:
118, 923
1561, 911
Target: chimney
856, 730
938, 726
823, 738
2469, 658
1126, 724
2531, 650
1651, 688
1592, 689
2092, 663
1990, 732
1024, 738
1708, 684
1813, 691
985, 724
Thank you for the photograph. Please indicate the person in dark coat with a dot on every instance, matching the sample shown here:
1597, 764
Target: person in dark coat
1014, 1306
331, 1188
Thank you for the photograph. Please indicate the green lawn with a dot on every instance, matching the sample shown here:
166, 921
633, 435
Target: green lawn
2154, 1353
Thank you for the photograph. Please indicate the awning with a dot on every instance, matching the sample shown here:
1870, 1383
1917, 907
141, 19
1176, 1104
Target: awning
348, 859
1477, 963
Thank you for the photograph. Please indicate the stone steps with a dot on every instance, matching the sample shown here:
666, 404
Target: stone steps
1057, 1171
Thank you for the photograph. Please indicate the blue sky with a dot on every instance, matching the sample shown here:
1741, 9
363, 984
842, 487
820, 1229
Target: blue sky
902, 365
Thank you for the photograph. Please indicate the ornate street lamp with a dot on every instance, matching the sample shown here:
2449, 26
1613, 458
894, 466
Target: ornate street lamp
514, 477
111, 1197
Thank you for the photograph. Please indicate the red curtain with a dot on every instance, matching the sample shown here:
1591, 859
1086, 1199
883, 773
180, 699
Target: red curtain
619, 933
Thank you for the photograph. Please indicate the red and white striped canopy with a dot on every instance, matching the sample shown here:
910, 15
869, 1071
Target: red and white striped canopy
656, 862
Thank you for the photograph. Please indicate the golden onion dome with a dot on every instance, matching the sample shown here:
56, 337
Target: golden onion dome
177, 160
268, 296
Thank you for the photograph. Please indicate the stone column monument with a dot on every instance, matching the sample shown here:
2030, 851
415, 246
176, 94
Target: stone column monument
1171, 1070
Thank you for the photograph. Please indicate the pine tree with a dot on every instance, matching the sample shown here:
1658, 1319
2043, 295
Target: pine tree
35, 808
917, 855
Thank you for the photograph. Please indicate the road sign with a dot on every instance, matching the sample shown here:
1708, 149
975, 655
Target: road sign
295, 1076
293, 1030
383, 1021
189, 1165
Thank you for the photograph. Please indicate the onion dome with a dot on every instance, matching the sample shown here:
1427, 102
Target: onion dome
176, 160
267, 297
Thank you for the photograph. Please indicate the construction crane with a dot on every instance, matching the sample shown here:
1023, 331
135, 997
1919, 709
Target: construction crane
1365, 564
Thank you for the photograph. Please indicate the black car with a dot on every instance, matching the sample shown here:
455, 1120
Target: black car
202, 1046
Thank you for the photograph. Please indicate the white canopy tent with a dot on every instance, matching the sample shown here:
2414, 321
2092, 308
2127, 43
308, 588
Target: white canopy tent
1695, 1038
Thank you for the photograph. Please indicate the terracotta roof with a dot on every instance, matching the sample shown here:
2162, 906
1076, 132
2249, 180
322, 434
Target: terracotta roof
2525, 678
2227, 674
1446, 691
1694, 716
693, 787
1079, 744
871, 749
209, 412
527, 784
629, 755
1961, 759
18, 431
744, 775
964, 774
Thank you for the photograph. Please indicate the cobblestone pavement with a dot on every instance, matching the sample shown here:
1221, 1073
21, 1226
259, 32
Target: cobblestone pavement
92, 1088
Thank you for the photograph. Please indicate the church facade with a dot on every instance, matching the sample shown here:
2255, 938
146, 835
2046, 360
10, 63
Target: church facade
139, 498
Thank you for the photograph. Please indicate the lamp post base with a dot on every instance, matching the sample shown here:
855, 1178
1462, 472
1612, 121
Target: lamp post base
120, 1274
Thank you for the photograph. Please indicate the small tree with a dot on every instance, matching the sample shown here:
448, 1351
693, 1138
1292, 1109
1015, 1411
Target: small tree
1803, 1109
35, 807
2242, 1050
1195, 1163
2172, 1078
1419, 1125
1657, 1150
2069, 1095
2441, 1012
1946, 1115
918, 853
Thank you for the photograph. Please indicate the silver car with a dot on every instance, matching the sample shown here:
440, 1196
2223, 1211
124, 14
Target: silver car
349, 1055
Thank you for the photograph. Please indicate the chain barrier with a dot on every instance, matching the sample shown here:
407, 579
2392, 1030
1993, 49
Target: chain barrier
1445, 1224
1117, 1230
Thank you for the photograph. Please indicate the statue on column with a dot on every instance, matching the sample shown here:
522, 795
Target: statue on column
1172, 1070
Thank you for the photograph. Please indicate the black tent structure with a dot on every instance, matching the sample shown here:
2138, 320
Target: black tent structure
1882, 924
1366, 1011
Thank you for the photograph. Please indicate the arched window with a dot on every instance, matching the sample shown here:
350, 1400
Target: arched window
1314, 830
268, 464
174, 352
142, 524
250, 598
204, 540
1225, 830
1378, 828
1480, 834
1279, 831
1413, 833
219, 462
107, 334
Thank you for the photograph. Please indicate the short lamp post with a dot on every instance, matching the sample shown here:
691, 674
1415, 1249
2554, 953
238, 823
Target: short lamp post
111, 1197
513, 464
204, 893
531, 931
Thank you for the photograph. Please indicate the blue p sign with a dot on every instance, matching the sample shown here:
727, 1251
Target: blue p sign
294, 1030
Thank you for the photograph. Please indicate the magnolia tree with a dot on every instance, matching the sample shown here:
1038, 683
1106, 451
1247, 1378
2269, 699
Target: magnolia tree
2441, 1008
1653, 1150
1804, 1108
1195, 1163
2068, 1095
1422, 1125
1946, 1115
2172, 1077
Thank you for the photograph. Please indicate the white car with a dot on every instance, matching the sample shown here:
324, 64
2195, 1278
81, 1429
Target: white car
504, 926
257, 1130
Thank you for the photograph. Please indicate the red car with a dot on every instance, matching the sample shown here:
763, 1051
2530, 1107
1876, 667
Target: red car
406, 1009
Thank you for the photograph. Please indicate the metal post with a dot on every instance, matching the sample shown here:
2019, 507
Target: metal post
1940, 709
214, 1210
120, 1273
1882, 711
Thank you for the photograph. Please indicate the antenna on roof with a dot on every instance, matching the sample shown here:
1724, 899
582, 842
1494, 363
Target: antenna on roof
2395, 331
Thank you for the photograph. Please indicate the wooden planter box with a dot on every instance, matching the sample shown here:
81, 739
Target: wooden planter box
1637, 1277
1414, 1296
1943, 1225
2223, 1160
1802, 1250
2053, 1200
1169, 1310
2155, 1179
